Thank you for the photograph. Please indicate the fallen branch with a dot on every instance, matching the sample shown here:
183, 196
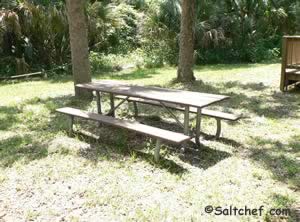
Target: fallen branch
24, 76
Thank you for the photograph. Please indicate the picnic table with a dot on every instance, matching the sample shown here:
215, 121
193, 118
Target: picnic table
187, 100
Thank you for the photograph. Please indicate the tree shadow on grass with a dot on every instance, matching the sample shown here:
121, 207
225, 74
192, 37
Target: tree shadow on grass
218, 67
29, 127
275, 105
23, 148
245, 86
131, 75
279, 158
8, 117
134, 74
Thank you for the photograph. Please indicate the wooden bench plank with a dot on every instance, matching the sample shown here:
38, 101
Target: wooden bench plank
289, 71
23, 76
294, 76
293, 66
130, 125
219, 114
206, 112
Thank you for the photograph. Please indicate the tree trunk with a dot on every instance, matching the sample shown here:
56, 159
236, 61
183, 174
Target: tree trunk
187, 37
79, 45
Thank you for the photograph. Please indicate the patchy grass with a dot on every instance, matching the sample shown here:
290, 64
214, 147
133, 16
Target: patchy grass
46, 175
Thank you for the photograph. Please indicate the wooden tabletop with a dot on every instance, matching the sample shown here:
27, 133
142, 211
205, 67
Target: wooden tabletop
179, 97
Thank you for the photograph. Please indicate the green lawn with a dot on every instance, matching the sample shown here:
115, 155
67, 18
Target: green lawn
46, 175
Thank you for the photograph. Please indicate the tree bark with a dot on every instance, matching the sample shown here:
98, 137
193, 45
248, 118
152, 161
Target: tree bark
187, 37
79, 45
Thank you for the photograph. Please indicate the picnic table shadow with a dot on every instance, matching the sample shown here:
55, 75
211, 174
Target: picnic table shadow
20, 147
8, 117
203, 158
135, 74
123, 142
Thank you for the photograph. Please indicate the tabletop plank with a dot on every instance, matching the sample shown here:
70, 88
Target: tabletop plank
179, 97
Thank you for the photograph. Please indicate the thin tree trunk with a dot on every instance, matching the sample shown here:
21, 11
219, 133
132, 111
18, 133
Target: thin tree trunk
79, 45
187, 37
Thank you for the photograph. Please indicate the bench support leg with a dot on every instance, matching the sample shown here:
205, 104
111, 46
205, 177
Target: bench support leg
218, 133
172, 114
71, 125
157, 149
117, 106
98, 98
112, 105
186, 126
198, 127
136, 110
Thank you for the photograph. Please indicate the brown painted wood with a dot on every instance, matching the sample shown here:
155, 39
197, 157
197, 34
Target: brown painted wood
220, 115
130, 125
205, 112
290, 61
283, 64
293, 76
179, 97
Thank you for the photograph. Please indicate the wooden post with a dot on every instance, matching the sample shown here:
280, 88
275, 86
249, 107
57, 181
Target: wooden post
283, 64
157, 149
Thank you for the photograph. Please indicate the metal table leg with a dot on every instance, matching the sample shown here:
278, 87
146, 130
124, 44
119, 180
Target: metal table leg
112, 104
186, 125
157, 149
136, 110
98, 98
71, 123
198, 127
218, 133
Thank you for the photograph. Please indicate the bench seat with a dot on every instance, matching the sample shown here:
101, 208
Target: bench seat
159, 134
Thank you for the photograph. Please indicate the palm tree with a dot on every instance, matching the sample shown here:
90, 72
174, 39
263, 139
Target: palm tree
187, 37
79, 45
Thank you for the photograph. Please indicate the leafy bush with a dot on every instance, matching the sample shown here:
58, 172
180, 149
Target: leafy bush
112, 28
111, 62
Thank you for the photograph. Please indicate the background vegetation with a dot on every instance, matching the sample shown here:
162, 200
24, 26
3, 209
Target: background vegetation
34, 33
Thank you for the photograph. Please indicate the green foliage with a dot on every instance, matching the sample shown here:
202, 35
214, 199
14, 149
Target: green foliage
226, 31
37, 33
101, 62
112, 28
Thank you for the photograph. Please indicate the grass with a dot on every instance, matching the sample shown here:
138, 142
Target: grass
46, 175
